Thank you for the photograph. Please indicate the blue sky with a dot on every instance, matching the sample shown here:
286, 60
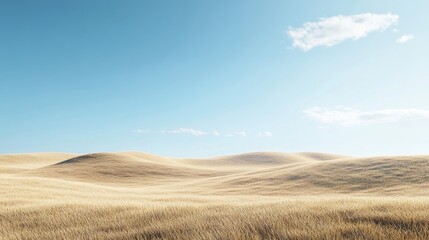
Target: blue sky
204, 78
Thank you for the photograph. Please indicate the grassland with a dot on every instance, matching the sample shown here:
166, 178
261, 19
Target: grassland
248, 196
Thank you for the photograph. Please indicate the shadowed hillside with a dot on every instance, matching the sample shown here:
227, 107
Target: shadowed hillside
117, 168
260, 159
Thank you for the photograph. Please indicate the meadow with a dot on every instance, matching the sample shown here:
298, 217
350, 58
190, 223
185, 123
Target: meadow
246, 196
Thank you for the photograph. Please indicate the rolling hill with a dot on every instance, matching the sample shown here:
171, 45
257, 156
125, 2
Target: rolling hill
257, 173
261, 195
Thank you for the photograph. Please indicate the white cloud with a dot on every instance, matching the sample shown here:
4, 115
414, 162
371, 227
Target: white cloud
405, 38
265, 134
351, 117
333, 30
241, 134
189, 131
141, 131
195, 132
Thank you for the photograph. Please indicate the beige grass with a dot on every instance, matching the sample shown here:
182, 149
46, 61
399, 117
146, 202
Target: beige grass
249, 196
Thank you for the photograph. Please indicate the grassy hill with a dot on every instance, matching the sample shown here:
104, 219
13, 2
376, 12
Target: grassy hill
247, 196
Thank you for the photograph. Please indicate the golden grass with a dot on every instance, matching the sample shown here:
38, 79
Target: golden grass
250, 196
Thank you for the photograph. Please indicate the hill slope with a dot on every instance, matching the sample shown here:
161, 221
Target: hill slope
255, 173
32, 160
118, 168
15, 163
260, 160
381, 175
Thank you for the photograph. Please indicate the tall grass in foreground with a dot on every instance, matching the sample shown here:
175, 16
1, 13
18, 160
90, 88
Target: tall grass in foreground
341, 218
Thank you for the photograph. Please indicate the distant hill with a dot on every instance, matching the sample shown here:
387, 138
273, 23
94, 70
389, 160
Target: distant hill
266, 173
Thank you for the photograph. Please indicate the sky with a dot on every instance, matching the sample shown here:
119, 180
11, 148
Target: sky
199, 78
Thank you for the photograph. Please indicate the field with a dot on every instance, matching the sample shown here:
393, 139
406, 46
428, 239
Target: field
247, 196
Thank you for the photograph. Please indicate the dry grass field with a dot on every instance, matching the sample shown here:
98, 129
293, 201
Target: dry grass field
248, 196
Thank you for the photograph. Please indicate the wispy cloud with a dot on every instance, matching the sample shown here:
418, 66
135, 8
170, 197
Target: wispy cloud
265, 134
196, 132
333, 30
142, 131
241, 134
189, 131
352, 117
405, 38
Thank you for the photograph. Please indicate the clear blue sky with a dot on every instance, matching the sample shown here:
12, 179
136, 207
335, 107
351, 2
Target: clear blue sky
203, 78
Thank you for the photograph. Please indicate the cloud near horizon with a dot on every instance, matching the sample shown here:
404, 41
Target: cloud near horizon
196, 132
333, 30
241, 134
189, 131
265, 134
353, 117
405, 38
